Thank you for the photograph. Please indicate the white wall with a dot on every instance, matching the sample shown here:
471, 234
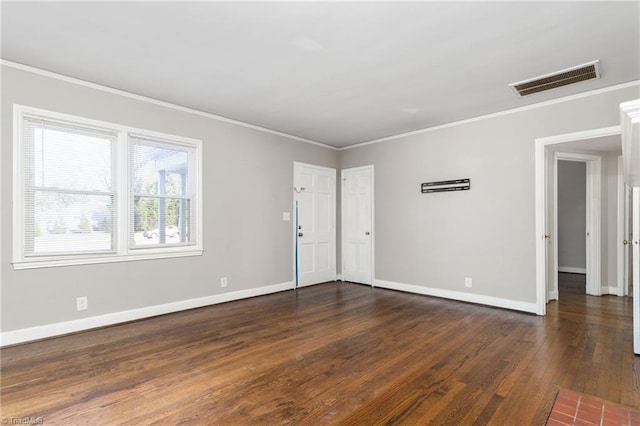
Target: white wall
572, 203
431, 242
248, 178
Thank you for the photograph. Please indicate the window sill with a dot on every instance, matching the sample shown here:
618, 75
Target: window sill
90, 260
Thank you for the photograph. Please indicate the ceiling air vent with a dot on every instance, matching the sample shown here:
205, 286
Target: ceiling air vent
588, 71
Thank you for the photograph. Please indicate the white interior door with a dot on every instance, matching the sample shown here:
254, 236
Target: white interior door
551, 272
627, 240
357, 225
636, 269
315, 195
623, 234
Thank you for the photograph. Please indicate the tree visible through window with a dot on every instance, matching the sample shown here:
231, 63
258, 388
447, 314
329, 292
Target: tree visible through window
92, 191
161, 200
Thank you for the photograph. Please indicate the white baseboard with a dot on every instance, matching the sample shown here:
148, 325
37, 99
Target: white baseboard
461, 296
553, 295
339, 277
610, 290
40, 332
572, 270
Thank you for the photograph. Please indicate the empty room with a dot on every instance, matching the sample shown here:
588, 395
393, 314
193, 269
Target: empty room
230, 213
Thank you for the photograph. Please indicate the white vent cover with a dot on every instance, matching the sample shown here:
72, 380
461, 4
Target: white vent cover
588, 71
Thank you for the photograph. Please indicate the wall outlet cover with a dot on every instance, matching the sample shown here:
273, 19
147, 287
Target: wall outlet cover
82, 303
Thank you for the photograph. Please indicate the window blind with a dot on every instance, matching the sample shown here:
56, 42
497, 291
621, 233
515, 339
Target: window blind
68, 182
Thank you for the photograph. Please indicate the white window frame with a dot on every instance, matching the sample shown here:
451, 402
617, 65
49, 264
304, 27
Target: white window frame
124, 250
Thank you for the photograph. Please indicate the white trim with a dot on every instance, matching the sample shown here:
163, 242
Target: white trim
498, 302
607, 289
540, 229
497, 114
635, 214
103, 258
593, 211
630, 122
572, 270
153, 101
541, 203
582, 135
621, 206
339, 277
40, 332
122, 251
373, 221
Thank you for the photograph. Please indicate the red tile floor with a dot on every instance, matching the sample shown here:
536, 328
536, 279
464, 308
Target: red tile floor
572, 408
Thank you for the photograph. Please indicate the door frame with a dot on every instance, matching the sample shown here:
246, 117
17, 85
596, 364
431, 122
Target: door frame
593, 211
635, 213
541, 202
622, 233
373, 225
293, 225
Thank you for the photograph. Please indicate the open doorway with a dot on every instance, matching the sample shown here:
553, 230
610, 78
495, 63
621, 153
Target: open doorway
572, 225
590, 143
576, 234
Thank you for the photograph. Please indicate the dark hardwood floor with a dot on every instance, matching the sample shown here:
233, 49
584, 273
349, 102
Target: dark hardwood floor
330, 354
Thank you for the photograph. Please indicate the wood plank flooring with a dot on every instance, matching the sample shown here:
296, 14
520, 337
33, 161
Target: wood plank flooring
334, 353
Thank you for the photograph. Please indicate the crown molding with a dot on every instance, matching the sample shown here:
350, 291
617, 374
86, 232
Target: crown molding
497, 114
154, 101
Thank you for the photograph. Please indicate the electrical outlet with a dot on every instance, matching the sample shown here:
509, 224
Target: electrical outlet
468, 282
82, 303
286, 216
223, 282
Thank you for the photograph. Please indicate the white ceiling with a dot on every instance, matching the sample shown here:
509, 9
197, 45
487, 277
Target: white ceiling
331, 72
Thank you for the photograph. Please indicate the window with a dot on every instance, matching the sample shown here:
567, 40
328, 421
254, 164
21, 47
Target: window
92, 192
162, 199
68, 188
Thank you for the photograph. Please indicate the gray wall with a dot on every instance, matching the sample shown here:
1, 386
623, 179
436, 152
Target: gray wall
432, 240
487, 233
248, 177
572, 203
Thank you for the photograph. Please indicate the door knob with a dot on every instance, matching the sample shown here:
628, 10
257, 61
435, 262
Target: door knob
367, 233
300, 234
625, 242
547, 237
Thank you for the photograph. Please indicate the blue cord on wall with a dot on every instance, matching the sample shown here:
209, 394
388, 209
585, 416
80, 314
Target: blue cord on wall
297, 234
